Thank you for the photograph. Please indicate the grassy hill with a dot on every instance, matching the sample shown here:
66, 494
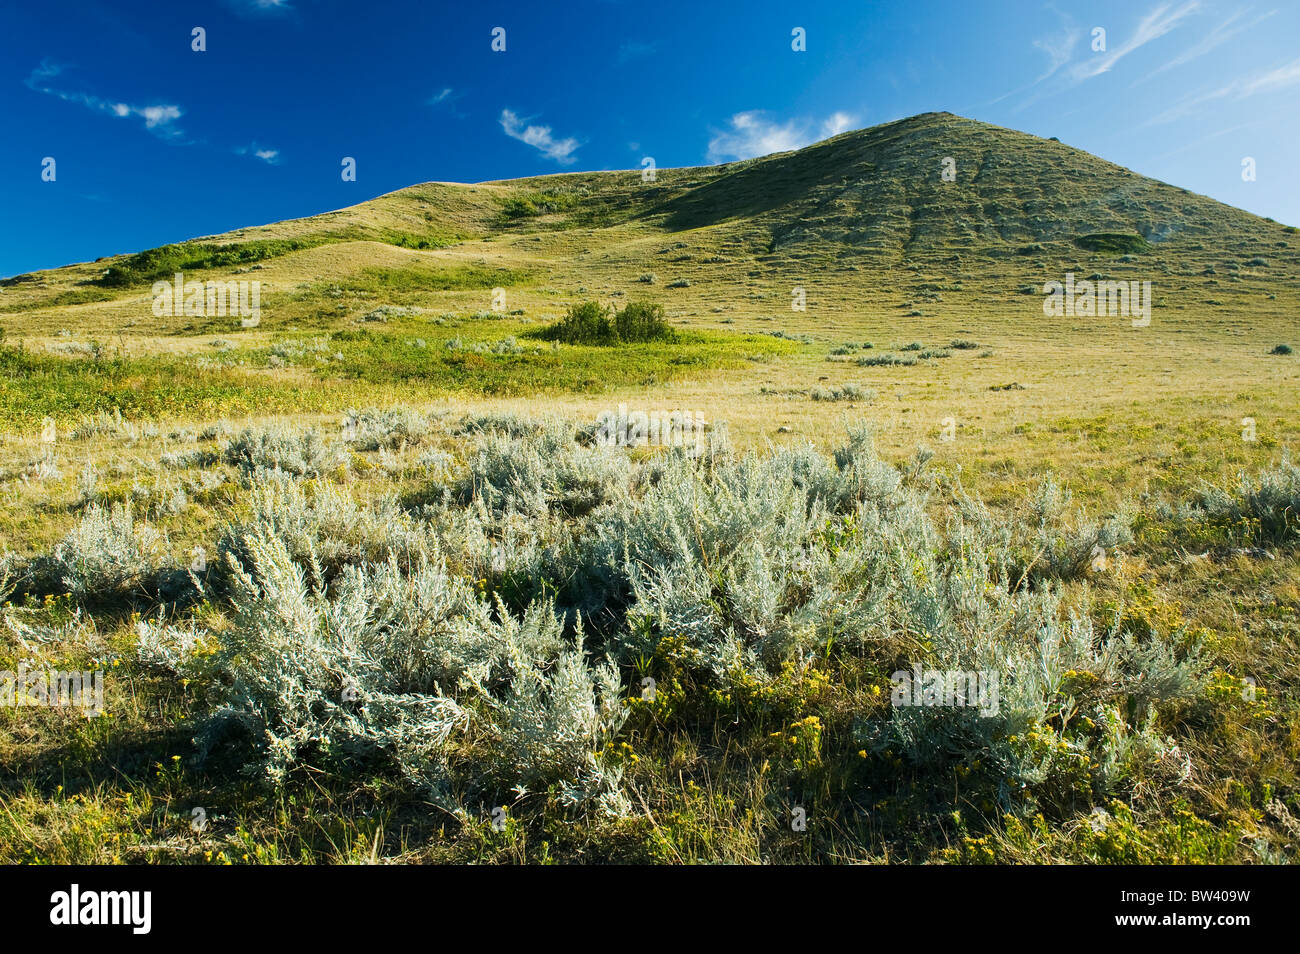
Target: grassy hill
872, 199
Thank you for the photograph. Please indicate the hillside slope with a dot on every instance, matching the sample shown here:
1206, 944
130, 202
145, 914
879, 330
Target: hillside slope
869, 199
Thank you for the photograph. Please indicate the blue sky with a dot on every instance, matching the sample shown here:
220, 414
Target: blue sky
154, 142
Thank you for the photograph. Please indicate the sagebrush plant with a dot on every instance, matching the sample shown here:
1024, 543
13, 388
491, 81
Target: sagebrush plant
1264, 509
544, 471
177, 649
731, 556
409, 665
375, 429
9, 573
1045, 539
324, 522
106, 555
750, 563
302, 453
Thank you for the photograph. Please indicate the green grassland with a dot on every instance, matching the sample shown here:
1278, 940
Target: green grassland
922, 323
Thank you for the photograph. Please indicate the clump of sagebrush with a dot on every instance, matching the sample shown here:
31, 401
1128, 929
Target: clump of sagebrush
111, 425
105, 555
843, 392
1265, 509
1043, 539
407, 666
728, 556
170, 648
591, 323
748, 564
384, 312
302, 453
326, 524
9, 575
505, 422
374, 429
887, 359
1070, 715
535, 473
507, 345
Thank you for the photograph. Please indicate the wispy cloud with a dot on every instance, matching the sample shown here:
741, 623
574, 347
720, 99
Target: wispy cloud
1151, 27
1058, 46
540, 138
1220, 35
260, 7
752, 134
1065, 72
158, 118
441, 96
270, 156
1269, 81
837, 123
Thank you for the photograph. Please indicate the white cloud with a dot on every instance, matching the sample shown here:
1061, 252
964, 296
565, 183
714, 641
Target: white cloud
1280, 78
1151, 27
1059, 48
1060, 51
837, 123
540, 138
256, 7
157, 118
269, 156
440, 96
1221, 34
753, 134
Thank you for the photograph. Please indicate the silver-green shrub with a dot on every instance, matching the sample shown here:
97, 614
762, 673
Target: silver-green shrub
106, 554
1271, 498
301, 453
408, 663
374, 429
536, 473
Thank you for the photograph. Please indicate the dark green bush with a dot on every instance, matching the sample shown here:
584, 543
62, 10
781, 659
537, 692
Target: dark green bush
591, 323
163, 262
519, 209
642, 321
537, 203
1113, 243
